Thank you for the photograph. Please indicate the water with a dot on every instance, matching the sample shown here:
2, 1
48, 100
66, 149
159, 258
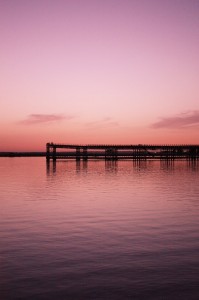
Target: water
96, 230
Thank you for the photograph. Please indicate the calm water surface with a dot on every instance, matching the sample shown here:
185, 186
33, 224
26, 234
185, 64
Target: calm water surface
99, 230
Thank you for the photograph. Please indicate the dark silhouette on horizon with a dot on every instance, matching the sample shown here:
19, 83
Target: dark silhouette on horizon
115, 152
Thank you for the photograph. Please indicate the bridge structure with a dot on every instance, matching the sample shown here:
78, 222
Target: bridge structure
115, 152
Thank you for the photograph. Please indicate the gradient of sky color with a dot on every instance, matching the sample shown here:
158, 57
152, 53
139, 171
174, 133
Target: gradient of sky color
98, 71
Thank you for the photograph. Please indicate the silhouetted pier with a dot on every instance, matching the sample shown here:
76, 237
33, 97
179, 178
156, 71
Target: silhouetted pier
115, 152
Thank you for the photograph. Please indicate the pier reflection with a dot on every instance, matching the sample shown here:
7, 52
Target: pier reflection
167, 164
193, 164
171, 164
140, 164
81, 166
51, 167
113, 166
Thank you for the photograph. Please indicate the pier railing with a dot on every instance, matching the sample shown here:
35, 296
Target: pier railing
115, 152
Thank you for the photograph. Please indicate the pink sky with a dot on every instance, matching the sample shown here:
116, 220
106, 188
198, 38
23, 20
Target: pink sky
98, 71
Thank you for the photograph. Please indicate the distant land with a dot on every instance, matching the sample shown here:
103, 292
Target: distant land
22, 154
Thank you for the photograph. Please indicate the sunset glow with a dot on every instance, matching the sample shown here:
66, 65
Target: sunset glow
108, 71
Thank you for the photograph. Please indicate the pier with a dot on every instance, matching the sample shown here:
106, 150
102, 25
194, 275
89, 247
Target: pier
115, 152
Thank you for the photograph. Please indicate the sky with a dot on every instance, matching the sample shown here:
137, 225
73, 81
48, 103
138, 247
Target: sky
98, 71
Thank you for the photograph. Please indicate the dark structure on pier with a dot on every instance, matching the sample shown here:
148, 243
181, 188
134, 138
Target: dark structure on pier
115, 152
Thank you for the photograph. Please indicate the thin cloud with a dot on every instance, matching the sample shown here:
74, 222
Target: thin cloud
44, 118
183, 120
106, 122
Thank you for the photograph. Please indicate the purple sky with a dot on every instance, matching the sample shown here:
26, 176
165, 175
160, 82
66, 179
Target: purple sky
106, 71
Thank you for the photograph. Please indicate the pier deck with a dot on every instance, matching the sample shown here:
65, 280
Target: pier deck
115, 152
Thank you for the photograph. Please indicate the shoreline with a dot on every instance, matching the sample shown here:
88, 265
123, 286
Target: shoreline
22, 154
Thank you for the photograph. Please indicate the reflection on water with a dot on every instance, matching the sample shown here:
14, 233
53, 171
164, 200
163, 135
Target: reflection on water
112, 165
99, 230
